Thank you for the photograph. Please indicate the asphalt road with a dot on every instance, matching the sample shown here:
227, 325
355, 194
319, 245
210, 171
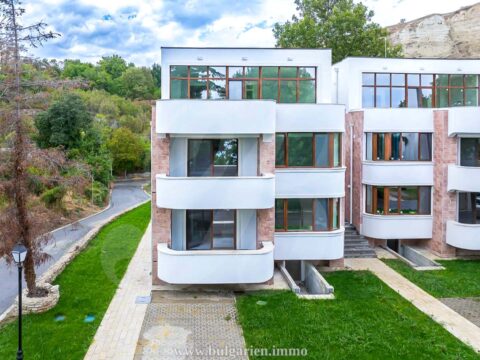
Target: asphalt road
124, 195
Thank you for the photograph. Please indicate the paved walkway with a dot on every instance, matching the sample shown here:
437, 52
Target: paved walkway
453, 322
117, 336
183, 325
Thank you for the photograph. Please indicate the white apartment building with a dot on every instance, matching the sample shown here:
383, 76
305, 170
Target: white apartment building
248, 166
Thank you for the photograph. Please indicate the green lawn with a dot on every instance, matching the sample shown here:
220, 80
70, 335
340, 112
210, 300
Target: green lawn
459, 279
87, 286
367, 320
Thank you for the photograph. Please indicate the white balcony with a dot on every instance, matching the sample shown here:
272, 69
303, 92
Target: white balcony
310, 183
215, 266
463, 236
310, 118
215, 117
398, 120
463, 178
463, 121
397, 173
326, 245
397, 226
223, 192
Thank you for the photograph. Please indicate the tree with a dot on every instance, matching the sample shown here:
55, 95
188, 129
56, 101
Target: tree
126, 149
157, 74
22, 221
342, 25
64, 123
137, 83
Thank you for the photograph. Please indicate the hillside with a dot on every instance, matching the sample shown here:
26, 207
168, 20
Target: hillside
451, 35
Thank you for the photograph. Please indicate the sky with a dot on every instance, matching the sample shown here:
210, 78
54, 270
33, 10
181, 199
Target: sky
137, 29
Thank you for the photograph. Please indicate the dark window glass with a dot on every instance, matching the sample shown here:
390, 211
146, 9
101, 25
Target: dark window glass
179, 71
306, 72
456, 97
225, 157
382, 97
369, 146
368, 79
251, 89
217, 71
270, 72
335, 214
456, 80
198, 71
235, 72
409, 146
471, 97
299, 214
425, 193
198, 89
409, 200
199, 224
306, 91
252, 72
199, 157
380, 146
398, 98
427, 98
393, 200
368, 199
368, 97
469, 151
442, 80
270, 89
217, 89
337, 149
279, 220
380, 200
414, 97
442, 97
179, 89
425, 147
223, 229
288, 72
469, 208
321, 214
288, 91
235, 90
300, 149
321, 150
280, 149
471, 80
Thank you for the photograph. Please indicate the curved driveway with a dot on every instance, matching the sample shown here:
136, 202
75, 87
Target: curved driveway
124, 195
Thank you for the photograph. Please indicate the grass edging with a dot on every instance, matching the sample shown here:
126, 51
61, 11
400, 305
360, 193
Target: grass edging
87, 285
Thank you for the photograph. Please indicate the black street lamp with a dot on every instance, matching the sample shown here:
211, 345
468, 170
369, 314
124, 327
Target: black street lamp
19, 253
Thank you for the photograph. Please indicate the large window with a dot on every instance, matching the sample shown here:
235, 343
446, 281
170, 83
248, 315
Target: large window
308, 150
307, 214
470, 152
208, 157
285, 84
469, 208
399, 146
385, 90
210, 229
398, 200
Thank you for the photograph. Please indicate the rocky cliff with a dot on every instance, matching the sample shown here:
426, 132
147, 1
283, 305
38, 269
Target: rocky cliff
452, 35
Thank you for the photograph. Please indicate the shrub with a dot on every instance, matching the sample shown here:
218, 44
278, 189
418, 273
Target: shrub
54, 196
100, 193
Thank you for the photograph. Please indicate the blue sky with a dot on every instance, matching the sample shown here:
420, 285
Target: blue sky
137, 29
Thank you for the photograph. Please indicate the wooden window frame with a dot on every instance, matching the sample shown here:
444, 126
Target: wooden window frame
331, 148
211, 231
243, 79
330, 211
387, 152
212, 159
433, 87
386, 196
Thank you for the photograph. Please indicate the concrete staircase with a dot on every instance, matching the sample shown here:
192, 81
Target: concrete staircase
356, 245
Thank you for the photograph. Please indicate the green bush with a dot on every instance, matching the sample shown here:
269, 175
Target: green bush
35, 185
54, 196
100, 193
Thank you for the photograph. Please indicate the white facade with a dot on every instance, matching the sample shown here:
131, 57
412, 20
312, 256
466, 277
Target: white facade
464, 121
463, 178
463, 236
396, 173
254, 124
397, 226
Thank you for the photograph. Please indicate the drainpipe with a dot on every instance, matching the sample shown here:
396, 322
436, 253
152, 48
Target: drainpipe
351, 173
336, 84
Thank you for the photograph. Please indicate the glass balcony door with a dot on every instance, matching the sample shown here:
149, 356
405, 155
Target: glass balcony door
213, 157
211, 229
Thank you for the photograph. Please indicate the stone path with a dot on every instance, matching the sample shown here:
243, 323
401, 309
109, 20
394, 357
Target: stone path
182, 325
117, 336
467, 307
453, 322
